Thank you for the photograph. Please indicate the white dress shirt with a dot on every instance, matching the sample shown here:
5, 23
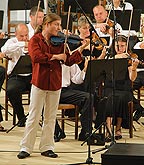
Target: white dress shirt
31, 30
13, 49
72, 74
137, 45
128, 6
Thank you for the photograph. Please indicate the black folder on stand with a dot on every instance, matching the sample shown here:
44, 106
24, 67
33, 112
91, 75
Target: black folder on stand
99, 70
23, 66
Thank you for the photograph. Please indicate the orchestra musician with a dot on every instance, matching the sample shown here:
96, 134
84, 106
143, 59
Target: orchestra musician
84, 33
46, 85
123, 93
102, 27
36, 18
16, 84
73, 78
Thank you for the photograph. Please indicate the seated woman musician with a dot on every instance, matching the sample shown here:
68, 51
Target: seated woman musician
123, 92
97, 44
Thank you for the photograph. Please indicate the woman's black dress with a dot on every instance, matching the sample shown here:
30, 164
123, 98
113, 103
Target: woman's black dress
117, 99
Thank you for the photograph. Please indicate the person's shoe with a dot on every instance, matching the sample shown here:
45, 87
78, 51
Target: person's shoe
108, 139
117, 137
83, 136
21, 123
23, 155
138, 115
49, 153
118, 134
61, 135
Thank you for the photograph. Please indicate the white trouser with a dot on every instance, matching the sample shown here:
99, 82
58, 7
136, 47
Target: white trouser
40, 99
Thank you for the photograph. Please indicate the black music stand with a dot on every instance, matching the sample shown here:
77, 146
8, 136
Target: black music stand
23, 66
1, 18
24, 4
137, 4
87, 6
123, 18
101, 70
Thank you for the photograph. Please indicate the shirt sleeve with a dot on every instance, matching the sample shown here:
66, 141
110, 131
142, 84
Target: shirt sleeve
12, 45
77, 76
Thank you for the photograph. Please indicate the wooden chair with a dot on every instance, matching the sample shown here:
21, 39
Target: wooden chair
64, 107
140, 94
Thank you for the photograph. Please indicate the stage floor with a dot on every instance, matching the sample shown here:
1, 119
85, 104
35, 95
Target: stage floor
69, 150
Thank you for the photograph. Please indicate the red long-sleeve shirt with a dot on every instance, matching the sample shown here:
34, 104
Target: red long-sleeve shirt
46, 73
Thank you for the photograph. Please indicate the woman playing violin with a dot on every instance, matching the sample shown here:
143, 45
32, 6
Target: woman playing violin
123, 92
84, 33
46, 85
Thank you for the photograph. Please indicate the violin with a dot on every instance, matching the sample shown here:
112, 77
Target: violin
98, 42
60, 39
132, 57
110, 24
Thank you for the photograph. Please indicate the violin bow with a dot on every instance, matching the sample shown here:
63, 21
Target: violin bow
37, 13
129, 31
66, 37
108, 15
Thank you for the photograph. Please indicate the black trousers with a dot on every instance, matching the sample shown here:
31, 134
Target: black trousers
83, 101
15, 86
2, 78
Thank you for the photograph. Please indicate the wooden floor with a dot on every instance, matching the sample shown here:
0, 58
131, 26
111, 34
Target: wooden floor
69, 150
